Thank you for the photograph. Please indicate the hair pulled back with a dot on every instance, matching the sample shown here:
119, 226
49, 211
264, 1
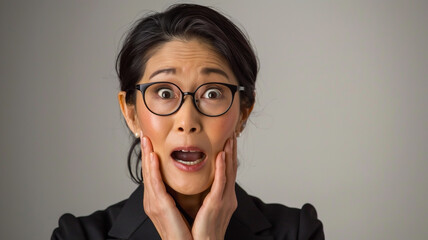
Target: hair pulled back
183, 21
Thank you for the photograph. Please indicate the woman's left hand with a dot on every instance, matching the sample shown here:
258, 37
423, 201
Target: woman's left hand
214, 215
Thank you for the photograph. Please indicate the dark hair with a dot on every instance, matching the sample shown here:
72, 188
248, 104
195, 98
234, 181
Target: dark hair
183, 21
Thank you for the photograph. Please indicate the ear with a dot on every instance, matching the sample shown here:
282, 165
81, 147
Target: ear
245, 113
129, 112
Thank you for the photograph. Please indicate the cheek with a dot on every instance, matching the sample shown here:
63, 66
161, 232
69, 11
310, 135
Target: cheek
221, 128
155, 127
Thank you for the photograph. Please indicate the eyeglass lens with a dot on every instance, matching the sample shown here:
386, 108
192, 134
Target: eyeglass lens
211, 99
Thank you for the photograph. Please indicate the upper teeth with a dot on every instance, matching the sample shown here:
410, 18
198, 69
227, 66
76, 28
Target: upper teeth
188, 151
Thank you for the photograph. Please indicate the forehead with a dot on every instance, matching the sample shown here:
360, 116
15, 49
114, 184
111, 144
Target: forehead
187, 57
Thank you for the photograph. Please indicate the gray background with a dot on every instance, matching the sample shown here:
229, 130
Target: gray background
340, 120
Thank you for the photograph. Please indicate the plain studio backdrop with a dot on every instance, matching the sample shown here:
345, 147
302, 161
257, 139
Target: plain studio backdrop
341, 119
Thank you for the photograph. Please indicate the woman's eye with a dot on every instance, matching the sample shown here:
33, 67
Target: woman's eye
166, 93
212, 93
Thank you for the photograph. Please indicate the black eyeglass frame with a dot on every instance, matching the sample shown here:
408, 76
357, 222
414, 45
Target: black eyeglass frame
233, 89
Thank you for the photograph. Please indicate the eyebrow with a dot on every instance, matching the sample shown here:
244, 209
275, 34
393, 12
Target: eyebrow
166, 70
205, 71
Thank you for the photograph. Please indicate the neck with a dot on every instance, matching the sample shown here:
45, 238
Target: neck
189, 203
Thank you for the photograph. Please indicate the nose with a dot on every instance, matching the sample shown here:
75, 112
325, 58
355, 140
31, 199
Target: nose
188, 118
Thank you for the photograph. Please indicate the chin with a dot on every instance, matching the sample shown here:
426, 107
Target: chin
191, 186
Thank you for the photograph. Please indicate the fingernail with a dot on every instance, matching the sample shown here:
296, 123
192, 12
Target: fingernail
152, 157
223, 155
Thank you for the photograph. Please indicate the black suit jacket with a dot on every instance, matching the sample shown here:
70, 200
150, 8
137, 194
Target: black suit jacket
252, 220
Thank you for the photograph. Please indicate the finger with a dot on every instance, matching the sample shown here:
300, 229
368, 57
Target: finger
153, 183
143, 155
147, 145
231, 164
145, 166
153, 178
235, 155
147, 170
229, 158
155, 175
219, 183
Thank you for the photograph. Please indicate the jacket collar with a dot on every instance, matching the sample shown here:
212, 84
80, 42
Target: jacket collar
248, 213
132, 217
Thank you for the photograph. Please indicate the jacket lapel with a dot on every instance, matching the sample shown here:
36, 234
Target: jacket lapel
132, 219
246, 222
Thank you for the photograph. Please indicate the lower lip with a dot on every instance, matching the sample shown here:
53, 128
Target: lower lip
190, 168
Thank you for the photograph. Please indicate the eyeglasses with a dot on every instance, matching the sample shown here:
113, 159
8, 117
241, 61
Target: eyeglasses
211, 99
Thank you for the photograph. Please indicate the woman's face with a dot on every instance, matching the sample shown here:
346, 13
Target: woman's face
185, 63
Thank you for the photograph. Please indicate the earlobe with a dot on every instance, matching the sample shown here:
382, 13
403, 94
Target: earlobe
129, 113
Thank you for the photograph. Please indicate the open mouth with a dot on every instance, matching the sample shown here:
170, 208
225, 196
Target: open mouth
188, 157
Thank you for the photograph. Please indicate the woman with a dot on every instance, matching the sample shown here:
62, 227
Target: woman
187, 79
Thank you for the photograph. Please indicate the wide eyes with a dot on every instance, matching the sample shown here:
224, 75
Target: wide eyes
212, 93
212, 99
166, 93
209, 93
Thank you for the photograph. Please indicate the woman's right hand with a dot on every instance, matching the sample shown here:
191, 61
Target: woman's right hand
158, 203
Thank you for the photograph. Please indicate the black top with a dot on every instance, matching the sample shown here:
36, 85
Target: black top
253, 219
